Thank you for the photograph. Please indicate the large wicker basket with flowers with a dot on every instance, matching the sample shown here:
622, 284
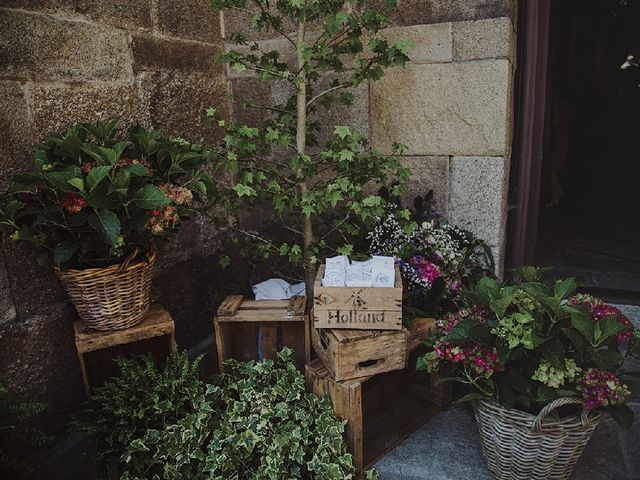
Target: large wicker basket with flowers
517, 444
93, 206
114, 297
542, 367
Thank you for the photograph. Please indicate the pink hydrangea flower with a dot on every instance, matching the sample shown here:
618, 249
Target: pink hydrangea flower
600, 389
600, 310
73, 202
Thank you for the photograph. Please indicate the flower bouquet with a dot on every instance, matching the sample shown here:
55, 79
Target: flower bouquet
94, 203
436, 259
541, 366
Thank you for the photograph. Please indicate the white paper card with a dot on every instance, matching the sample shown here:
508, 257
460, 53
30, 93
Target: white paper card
357, 276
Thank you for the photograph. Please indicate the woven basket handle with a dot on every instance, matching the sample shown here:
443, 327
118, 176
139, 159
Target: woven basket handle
124, 265
550, 407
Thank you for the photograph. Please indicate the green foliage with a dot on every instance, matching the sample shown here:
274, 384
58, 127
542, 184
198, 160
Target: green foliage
141, 397
98, 194
314, 192
255, 423
527, 343
17, 438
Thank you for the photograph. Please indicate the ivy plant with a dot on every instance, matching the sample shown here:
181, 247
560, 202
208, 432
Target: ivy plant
256, 423
316, 193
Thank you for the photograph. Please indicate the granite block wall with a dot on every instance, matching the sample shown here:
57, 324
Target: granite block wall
64, 61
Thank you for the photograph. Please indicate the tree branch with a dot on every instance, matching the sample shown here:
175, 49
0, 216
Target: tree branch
326, 92
270, 17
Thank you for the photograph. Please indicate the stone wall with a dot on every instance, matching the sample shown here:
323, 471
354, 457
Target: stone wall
151, 61
63, 61
451, 105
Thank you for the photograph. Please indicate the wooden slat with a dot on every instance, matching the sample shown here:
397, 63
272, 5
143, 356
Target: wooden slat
269, 339
258, 315
419, 329
157, 322
297, 305
244, 342
264, 305
358, 320
293, 336
371, 354
229, 306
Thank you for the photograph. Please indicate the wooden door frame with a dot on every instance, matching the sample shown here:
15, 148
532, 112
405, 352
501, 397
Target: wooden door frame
529, 114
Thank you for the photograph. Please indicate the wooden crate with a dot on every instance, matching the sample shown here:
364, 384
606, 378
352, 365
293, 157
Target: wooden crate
258, 329
350, 354
357, 307
382, 410
96, 349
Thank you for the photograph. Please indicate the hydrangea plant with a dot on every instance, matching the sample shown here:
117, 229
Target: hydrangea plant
527, 343
97, 194
314, 192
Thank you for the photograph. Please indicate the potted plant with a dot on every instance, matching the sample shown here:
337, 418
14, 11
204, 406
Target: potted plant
93, 206
542, 365
314, 191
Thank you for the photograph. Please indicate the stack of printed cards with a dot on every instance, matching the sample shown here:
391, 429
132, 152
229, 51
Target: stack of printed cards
378, 271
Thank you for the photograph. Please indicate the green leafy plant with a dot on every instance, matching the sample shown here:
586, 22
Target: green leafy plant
257, 422
527, 343
141, 397
97, 195
16, 438
315, 193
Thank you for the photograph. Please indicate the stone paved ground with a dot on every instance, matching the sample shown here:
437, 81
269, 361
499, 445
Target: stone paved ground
448, 448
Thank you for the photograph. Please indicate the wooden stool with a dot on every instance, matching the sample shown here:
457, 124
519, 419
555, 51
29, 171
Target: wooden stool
96, 348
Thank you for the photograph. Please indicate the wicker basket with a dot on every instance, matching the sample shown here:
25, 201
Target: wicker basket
114, 297
521, 446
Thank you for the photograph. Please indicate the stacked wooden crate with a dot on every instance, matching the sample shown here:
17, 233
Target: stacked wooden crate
366, 365
258, 329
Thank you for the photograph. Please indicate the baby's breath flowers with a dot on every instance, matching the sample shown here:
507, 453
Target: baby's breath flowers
436, 259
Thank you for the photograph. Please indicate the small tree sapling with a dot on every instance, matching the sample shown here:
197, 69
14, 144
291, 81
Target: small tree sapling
319, 194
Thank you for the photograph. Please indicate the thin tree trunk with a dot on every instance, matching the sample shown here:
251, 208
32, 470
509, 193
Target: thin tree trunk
301, 147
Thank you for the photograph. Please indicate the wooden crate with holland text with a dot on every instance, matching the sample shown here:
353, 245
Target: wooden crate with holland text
365, 308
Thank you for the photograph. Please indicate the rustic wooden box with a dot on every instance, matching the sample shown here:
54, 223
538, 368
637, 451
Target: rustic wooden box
96, 349
258, 329
357, 307
382, 410
350, 354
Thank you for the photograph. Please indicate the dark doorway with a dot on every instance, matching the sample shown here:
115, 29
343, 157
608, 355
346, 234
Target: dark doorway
582, 182
589, 222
